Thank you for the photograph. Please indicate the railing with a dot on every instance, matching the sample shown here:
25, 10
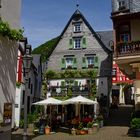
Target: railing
128, 49
63, 90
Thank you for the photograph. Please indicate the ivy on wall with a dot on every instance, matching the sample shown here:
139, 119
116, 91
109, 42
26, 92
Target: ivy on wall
13, 34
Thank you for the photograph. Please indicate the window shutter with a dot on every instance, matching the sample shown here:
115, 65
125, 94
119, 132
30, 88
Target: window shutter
63, 63
84, 42
96, 61
63, 83
71, 43
84, 62
74, 63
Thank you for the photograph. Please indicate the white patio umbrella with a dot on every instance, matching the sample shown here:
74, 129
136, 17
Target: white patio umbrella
80, 100
49, 101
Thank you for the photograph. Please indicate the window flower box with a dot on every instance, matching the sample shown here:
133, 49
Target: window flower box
69, 67
90, 66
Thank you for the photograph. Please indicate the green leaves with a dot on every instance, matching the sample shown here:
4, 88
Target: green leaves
71, 74
13, 34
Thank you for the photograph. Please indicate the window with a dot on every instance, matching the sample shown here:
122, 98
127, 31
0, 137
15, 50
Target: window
114, 72
77, 27
90, 62
122, 5
77, 43
124, 37
69, 63
124, 33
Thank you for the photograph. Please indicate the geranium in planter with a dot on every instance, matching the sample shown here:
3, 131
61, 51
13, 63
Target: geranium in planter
69, 67
81, 129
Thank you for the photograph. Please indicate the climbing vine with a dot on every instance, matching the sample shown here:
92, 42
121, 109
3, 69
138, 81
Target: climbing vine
13, 34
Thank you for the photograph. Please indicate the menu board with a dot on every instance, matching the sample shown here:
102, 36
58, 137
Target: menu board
7, 114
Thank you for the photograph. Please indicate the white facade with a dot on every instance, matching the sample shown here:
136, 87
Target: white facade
10, 12
8, 64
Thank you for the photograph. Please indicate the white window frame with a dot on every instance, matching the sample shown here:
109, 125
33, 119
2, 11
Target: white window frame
90, 60
77, 43
121, 3
69, 62
77, 27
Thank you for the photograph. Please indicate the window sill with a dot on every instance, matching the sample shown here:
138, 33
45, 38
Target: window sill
77, 31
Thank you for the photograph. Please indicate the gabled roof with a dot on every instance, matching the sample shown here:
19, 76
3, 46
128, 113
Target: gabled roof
77, 13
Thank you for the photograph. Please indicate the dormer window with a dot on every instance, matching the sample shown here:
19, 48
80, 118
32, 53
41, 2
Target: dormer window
122, 5
77, 27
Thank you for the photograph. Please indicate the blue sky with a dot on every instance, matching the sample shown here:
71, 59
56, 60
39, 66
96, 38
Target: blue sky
45, 19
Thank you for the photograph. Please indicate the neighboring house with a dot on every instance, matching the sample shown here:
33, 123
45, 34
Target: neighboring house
126, 20
80, 48
8, 64
34, 88
38, 80
119, 83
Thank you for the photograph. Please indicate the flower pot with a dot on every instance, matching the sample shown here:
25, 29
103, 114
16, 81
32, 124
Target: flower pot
95, 128
47, 130
73, 131
90, 131
82, 132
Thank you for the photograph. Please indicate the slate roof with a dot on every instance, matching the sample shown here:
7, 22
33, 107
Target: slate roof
106, 37
36, 59
79, 14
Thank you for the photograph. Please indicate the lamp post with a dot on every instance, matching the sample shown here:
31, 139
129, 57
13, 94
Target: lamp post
27, 60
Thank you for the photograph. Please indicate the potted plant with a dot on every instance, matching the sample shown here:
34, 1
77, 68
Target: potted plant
135, 124
89, 126
47, 129
80, 129
100, 119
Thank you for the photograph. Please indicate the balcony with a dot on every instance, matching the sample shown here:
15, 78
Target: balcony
83, 90
128, 49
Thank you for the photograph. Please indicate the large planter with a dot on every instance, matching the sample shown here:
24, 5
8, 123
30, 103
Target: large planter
101, 123
47, 130
95, 128
90, 131
73, 131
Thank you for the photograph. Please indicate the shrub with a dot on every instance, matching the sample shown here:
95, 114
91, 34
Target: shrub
135, 123
21, 123
80, 126
89, 125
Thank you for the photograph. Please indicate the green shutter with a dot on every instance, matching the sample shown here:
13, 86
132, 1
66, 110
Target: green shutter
84, 62
63, 83
75, 83
74, 63
96, 61
63, 63
84, 42
71, 43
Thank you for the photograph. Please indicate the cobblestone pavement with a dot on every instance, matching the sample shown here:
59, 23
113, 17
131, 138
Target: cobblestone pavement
116, 129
